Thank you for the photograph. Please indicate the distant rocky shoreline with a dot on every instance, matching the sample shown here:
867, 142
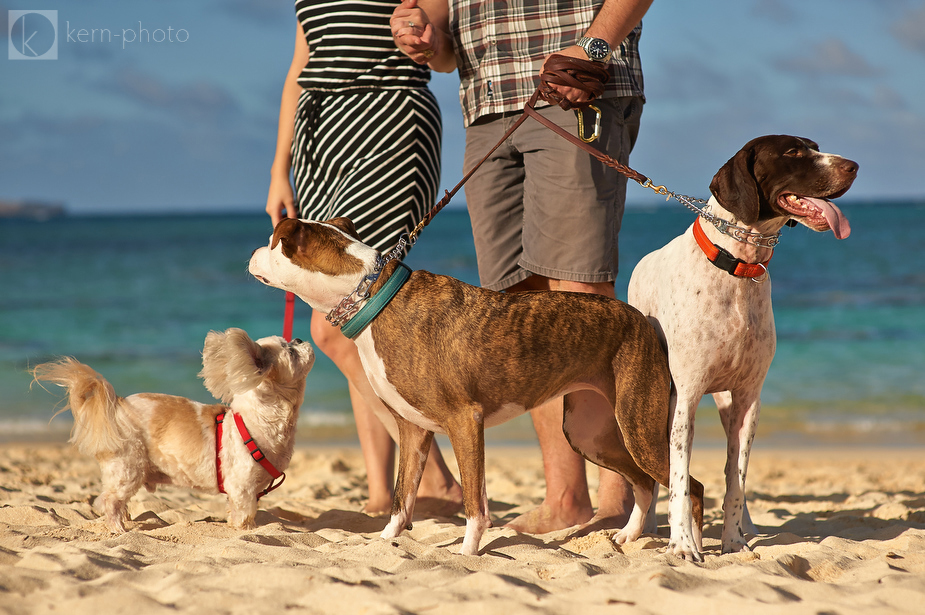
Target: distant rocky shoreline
31, 210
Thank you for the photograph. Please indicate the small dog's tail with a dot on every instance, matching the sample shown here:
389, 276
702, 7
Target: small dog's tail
98, 425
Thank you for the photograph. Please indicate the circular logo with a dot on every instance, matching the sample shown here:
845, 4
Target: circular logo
32, 35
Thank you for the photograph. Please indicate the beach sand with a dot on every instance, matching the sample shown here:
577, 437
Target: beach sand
843, 531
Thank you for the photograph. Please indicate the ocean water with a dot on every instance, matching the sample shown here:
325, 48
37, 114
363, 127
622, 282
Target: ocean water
135, 296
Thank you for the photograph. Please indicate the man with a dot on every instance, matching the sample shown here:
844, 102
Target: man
545, 215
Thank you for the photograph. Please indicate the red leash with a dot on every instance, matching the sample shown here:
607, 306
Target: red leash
287, 316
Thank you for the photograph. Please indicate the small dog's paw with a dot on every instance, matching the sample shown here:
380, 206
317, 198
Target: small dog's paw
242, 524
115, 525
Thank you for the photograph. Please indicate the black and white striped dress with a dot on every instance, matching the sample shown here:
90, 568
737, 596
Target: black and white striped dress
367, 129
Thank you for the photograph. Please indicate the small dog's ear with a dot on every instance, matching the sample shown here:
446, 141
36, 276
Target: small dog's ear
736, 188
213, 372
246, 362
346, 225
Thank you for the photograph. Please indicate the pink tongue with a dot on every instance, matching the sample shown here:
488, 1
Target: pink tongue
837, 221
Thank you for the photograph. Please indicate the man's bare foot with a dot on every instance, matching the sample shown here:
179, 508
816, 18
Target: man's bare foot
599, 522
440, 499
437, 507
544, 519
378, 507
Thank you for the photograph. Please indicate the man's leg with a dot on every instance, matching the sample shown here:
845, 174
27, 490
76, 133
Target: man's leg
567, 502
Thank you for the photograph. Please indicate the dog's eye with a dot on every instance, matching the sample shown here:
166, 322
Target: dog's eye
794, 152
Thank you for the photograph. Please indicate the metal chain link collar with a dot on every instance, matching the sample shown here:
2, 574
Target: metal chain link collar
352, 303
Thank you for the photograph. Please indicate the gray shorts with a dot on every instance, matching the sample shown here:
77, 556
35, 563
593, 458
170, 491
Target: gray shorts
539, 205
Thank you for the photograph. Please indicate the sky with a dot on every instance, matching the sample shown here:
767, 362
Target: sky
176, 109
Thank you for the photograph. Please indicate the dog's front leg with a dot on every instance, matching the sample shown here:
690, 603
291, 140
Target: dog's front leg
680, 510
242, 507
739, 413
413, 447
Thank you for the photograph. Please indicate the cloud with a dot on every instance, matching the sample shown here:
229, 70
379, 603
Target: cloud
97, 163
192, 100
831, 57
910, 29
774, 10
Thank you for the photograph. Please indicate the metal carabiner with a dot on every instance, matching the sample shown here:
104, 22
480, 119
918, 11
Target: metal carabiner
581, 125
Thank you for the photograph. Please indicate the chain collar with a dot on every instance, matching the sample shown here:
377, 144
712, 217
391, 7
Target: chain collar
352, 303
723, 226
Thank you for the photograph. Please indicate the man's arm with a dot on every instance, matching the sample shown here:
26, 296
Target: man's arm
613, 23
421, 31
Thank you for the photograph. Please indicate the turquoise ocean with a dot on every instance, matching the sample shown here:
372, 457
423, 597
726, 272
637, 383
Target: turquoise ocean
134, 296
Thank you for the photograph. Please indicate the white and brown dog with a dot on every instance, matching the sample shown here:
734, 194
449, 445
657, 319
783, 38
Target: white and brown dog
451, 358
708, 294
151, 438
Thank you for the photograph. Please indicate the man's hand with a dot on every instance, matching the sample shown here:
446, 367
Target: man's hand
574, 96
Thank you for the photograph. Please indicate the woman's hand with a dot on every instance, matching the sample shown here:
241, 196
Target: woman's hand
280, 200
413, 32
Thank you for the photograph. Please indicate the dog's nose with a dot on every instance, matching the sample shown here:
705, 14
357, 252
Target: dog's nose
297, 341
849, 167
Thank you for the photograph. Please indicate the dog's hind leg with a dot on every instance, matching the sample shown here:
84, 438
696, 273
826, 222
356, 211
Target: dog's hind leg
591, 429
122, 478
413, 447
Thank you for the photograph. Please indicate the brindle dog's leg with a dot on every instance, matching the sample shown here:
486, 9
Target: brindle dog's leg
413, 447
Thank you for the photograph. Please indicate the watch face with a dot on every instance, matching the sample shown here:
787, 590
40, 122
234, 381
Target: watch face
598, 49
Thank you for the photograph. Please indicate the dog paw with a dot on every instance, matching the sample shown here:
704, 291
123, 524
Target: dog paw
685, 550
623, 536
736, 546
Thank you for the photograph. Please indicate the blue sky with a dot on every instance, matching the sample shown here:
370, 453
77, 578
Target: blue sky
189, 122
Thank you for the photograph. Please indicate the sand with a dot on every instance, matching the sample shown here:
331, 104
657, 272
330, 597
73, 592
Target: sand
843, 531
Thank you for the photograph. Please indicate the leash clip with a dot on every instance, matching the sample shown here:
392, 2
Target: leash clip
581, 124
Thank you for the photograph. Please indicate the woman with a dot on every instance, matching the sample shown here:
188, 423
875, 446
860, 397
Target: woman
360, 132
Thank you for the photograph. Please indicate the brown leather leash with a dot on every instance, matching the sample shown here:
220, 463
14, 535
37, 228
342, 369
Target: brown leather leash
584, 75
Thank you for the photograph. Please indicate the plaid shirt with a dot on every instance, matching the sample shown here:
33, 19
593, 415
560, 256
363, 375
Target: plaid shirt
501, 45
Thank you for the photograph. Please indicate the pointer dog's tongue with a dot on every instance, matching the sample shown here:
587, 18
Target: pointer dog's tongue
813, 210
833, 215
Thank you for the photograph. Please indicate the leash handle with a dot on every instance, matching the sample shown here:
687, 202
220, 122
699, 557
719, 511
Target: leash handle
288, 316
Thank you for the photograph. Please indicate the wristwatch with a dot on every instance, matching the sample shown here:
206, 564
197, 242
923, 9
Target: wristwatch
597, 48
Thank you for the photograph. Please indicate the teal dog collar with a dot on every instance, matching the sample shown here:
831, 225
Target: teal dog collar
377, 302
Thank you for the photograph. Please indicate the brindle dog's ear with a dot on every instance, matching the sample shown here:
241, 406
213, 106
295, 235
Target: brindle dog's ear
289, 232
736, 188
346, 225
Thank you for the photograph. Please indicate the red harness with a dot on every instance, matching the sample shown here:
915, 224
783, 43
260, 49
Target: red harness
255, 452
726, 261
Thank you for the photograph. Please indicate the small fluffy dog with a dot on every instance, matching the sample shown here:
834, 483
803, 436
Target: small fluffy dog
151, 438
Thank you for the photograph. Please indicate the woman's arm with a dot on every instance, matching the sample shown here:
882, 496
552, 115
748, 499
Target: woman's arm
280, 198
